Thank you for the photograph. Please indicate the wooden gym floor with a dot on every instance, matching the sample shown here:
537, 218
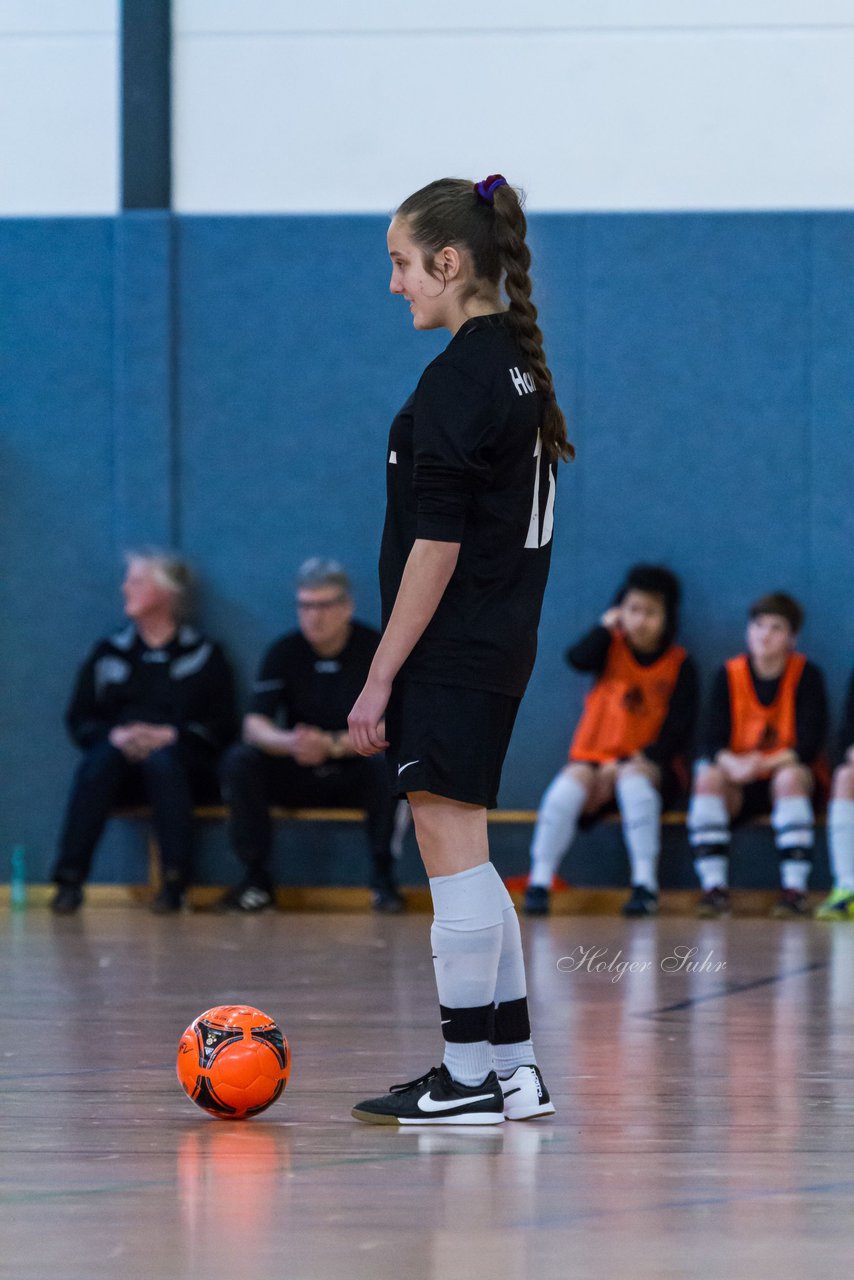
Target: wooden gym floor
705, 1120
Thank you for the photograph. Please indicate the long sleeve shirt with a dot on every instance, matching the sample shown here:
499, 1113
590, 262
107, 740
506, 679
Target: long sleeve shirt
186, 683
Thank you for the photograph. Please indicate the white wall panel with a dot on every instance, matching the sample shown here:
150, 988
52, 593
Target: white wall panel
697, 106
59, 109
261, 17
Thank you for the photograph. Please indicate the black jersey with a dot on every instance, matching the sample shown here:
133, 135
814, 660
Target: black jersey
296, 685
187, 683
465, 465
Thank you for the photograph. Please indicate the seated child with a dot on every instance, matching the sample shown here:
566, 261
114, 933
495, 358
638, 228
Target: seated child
636, 724
761, 753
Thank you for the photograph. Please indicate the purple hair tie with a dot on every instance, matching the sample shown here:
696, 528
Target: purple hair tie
486, 189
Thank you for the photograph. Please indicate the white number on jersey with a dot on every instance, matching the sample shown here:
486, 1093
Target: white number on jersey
535, 537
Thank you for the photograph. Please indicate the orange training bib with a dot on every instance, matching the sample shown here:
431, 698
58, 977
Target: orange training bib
758, 728
625, 709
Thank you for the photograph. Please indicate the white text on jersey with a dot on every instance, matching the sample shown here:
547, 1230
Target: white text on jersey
523, 382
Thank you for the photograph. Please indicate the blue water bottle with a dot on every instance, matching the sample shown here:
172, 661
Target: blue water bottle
18, 879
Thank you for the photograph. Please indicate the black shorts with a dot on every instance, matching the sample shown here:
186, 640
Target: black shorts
449, 741
756, 801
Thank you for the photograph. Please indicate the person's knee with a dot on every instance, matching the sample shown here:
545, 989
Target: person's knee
843, 783
428, 823
238, 761
100, 764
791, 780
583, 774
163, 761
709, 780
451, 835
638, 769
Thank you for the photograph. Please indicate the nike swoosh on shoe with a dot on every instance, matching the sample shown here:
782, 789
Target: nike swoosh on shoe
428, 1103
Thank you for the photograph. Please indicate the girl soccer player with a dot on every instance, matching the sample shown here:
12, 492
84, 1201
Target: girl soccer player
471, 474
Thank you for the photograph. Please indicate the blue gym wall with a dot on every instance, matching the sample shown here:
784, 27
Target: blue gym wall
225, 385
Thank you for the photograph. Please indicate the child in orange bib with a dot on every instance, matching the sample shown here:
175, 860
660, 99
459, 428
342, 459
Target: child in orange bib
761, 753
628, 745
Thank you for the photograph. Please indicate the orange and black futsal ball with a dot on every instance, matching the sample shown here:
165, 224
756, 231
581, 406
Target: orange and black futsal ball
233, 1061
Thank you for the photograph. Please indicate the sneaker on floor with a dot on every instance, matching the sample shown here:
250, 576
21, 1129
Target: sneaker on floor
436, 1098
643, 902
387, 900
67, 899
246, 897
536, 901
713, 904
838, 906
791, 904
526, 1095
169, 900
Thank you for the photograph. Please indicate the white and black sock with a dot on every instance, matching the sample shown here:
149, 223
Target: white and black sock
708, 834
708, 821
512, 1046
467, 937
793, 821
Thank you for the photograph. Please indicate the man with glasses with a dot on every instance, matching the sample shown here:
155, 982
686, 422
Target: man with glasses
296, 751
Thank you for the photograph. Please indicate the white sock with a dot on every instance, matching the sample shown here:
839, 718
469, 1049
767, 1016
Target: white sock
467, 935
640, 809
840, 843
510, 981
708, 821
712, 871
557, 822
794, 873
793, 821
511, 989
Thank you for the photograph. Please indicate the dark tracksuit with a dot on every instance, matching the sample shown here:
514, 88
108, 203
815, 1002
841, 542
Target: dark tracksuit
187, 684
296, 685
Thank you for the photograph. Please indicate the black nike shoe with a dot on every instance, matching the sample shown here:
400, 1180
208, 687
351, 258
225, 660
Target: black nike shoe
247, 897
387, 900
643, 902
537, 901
67, 899
169, 901
436, 1098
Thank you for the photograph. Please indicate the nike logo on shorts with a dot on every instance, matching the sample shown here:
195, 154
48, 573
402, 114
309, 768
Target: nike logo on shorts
409, 763
428, 1103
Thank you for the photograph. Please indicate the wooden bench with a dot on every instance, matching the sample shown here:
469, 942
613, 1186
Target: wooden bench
497, 817
582, 900
219, 813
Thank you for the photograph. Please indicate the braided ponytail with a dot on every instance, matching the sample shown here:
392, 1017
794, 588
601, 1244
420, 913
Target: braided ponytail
515, 256
487, 219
